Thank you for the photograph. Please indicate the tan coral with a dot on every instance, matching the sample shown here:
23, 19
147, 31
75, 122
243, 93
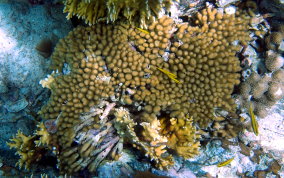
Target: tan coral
96, 139
151, 132
107, 61
265, 92
46, 83
26, 149
182, 136
45, 137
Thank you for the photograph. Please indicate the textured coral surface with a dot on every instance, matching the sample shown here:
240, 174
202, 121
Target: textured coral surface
171, 71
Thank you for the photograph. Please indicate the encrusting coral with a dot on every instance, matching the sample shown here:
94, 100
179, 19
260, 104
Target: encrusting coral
138, 12
143, 87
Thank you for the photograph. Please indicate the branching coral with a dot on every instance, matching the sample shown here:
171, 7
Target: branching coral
93, 11
98, 137
30, 148
25, 147
44, 136
181, 136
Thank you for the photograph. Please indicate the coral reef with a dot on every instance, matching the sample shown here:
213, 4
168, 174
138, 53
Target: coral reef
264, 87
146, 88
152, 143
227, 127
21, 27
131, 60
138, 12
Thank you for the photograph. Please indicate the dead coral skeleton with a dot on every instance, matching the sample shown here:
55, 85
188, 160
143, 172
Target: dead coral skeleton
97, 143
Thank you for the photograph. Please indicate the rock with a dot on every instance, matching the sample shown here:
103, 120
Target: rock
3, 87
16, 106
230, 10
275, 167
281, 46
21, 29
269, 5
223, 3
260, 174
244, 149
123, 167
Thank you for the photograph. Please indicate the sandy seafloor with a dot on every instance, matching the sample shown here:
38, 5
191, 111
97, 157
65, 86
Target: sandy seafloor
22, 27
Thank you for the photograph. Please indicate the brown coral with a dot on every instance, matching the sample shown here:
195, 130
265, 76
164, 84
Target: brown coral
265, 90
274, 61
278, 76
182, 73
273, 40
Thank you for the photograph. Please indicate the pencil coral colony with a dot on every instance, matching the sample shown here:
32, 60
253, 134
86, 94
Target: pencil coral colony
147, 88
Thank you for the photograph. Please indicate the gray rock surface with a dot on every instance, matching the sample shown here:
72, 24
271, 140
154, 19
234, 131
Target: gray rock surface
16, 106
21, 28
3, 87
